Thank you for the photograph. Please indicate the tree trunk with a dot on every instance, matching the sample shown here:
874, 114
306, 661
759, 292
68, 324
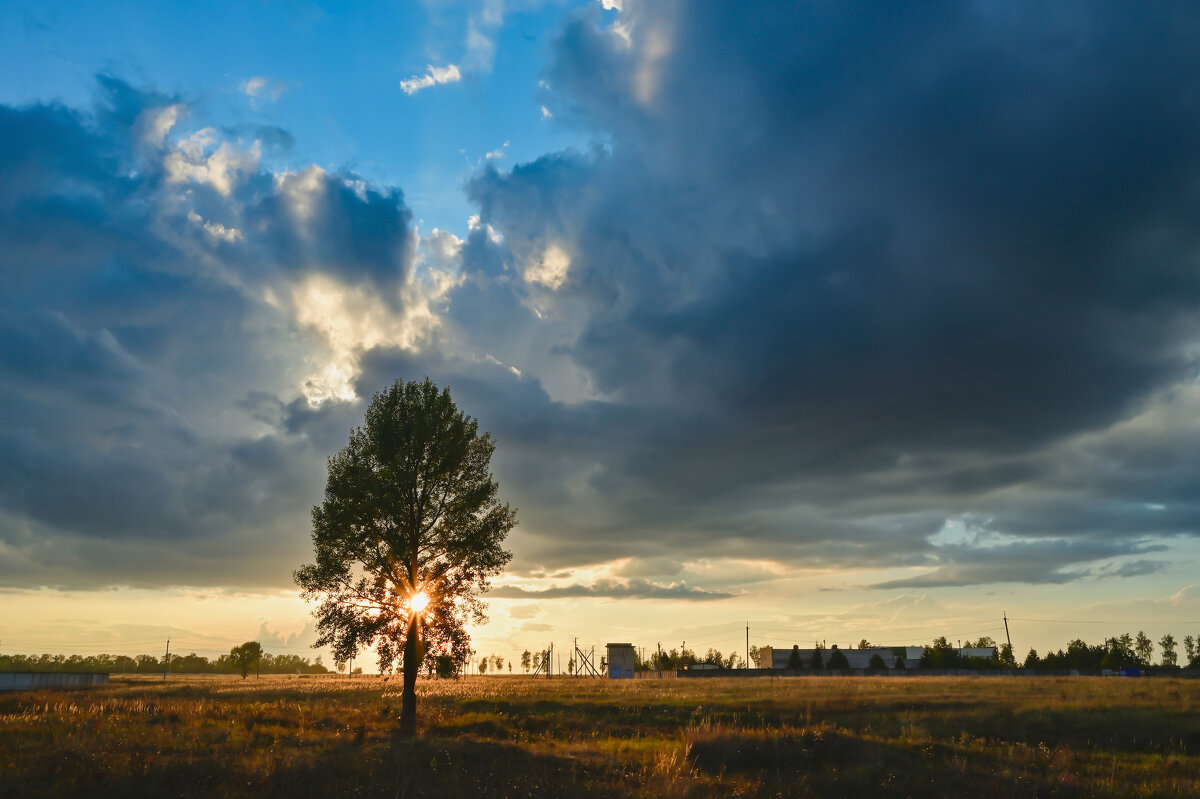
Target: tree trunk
408, 702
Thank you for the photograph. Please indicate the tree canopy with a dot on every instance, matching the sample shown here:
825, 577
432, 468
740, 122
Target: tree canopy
246, 656
409, 534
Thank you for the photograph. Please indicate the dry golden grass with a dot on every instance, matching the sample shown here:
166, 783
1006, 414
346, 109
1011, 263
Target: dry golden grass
481, 737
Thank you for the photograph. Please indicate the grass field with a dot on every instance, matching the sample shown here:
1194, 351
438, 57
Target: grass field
481, 737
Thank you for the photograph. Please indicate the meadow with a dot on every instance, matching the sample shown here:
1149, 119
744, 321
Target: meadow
516, 736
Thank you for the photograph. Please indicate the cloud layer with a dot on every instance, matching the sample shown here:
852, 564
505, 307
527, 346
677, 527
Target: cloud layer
833, 288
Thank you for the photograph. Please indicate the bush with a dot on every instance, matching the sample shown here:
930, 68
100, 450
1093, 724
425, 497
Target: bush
877, 663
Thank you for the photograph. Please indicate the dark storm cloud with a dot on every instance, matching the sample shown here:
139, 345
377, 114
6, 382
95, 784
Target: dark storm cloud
904, 286
839, 275
149, 394
1055, 561
610, 589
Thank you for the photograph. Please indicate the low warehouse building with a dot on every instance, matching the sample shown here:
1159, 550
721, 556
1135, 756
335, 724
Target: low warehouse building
772, 658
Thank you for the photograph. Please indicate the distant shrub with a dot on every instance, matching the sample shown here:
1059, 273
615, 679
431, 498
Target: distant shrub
794, 659
877, 663
837, 660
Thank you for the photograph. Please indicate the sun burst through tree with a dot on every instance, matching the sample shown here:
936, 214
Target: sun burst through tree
408, 536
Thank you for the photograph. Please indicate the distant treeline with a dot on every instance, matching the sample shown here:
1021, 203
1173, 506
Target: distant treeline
1122, 652
1115, 654
149, 664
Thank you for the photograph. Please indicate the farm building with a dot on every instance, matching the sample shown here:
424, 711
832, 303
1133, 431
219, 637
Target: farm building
621, 661
771, 658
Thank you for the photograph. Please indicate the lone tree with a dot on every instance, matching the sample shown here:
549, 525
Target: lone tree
408, 536
246, 656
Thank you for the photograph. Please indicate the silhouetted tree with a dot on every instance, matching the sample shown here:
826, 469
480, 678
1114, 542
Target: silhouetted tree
1169, 658
1143, 647
877, 663
245, 657
837, 659
410, 515
794, 658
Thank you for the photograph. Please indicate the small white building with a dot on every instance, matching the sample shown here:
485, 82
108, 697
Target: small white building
622, 661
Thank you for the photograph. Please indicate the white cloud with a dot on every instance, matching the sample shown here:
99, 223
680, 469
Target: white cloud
259, 87
187, 163
154, 124
434, 76
481, 47
440, 250
215, 229
494, 235
546, 113
301, 192
353, 320
550, 270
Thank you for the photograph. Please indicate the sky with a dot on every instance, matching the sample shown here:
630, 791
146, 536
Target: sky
832, 322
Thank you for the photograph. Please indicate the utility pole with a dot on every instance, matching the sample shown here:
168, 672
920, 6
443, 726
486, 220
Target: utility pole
167, 660
1009, 637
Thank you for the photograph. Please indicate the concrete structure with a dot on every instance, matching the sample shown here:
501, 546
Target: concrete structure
622, 661
27, 680
985, 652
